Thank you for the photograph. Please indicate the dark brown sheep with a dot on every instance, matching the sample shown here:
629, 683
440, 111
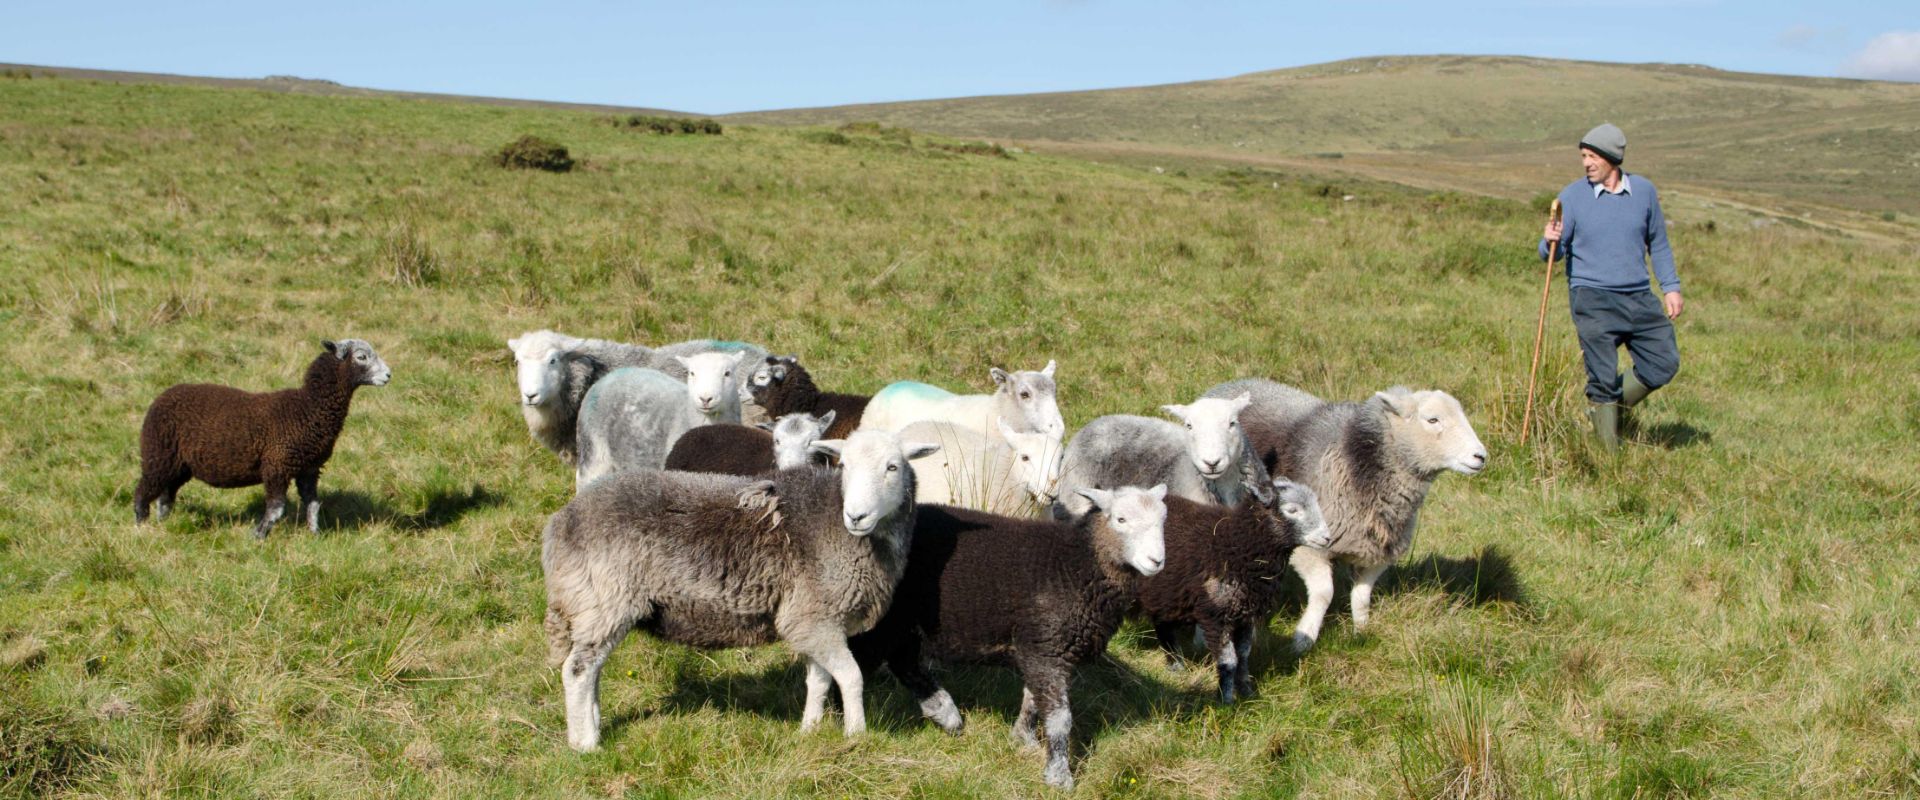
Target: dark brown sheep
782, 386
1225, 567
1041, 597
749, 449
230, 438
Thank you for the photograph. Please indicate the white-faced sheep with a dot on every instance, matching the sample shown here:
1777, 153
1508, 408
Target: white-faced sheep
749, 450
229, 438
1371, 463
1039, 596
1025, 400
631, 418
781, 386
808, 557
554, 372
1014, 476
1225, 568
1205, 458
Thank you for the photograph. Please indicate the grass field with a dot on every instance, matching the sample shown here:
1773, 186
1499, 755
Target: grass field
1727, 609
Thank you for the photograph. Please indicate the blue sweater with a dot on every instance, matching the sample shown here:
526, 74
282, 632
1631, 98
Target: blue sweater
1607, 237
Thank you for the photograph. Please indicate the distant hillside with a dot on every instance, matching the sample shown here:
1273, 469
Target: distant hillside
295, 85
1500, 124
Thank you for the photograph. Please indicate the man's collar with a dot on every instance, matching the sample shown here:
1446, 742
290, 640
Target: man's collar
1626, 187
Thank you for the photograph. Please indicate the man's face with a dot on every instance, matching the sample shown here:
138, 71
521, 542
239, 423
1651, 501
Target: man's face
1598, 168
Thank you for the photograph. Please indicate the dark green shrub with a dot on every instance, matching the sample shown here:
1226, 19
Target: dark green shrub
533, 152
974, 149
826, 137
668, 125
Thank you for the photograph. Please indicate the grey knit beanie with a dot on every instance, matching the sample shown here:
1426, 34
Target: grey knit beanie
1608, 141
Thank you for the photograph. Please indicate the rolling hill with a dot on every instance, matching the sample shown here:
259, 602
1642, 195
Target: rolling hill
1796, 146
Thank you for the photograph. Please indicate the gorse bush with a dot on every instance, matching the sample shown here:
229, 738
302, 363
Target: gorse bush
533, 152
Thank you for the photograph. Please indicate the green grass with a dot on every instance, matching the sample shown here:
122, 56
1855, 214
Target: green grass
1725, 610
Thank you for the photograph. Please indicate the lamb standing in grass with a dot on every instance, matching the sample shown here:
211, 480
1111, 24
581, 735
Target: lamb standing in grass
749, 450
808, 557
1042, 597
230, 438
554, 372
1025, 400
1371, 464
781, 386
1225, 567
1015, 476
1205, 459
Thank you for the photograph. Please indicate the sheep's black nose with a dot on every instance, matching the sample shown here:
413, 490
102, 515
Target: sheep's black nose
532, 396
856, 519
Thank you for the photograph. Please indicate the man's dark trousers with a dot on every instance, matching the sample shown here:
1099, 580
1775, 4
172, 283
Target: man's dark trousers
1606, 320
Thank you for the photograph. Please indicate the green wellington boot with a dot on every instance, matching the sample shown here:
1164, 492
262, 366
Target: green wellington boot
1606, 424
1632, 391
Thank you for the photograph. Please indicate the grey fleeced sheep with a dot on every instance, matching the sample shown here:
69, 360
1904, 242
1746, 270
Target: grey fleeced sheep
1039, 596
1225, 569
230, 438
1205, 458
808, 557
631, 418
1371, 464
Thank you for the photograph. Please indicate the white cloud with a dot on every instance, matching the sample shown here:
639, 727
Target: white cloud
1891, 56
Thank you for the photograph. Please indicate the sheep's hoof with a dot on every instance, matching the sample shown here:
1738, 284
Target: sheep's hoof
1059, 776
1302, 643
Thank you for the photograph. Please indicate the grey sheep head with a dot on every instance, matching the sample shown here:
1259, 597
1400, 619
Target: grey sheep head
368, 369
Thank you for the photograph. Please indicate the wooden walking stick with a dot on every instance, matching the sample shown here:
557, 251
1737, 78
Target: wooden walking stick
1540, 328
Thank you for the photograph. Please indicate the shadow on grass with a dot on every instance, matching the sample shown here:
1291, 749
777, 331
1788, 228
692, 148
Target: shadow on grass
1482, 579
342, 510
1673, 435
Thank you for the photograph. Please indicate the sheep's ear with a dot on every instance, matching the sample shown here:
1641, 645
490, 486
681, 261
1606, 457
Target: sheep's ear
1048, 369
765, 426
1000, 376
738, 356
1158, 492
827, 447
826, 420
684, 362
513, 344
1240, 403
1397, 401
1175, 410
918, 450
791, 358
1100, 498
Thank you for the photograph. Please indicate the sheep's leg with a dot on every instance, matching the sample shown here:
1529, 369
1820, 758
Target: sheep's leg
164, 507
935, 703
1316, 571
1168, 634
1023, 724
1363, 581
818, 681
1243, 647
276, 506
1226, 656
1050, 703
580, 679
309, 485
840, 663
155, 484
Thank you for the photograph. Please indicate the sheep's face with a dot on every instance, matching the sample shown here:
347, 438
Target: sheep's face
1434, 429
1299, 510
1036, 461
794, 435
368, 369
1138, 518
771, 372
1214, 441
876, 484
538, 366
711, 380
1031, 396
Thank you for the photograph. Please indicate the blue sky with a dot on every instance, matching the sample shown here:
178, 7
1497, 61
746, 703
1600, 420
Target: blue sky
718, 57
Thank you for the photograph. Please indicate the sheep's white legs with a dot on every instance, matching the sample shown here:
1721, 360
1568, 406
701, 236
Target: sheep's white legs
818, 679
1059, 725
1316, 571
310, 500
276, 508
1228, 656
580, 679
939, 707
1023, 724
1363, 581
1243, 647
846, 672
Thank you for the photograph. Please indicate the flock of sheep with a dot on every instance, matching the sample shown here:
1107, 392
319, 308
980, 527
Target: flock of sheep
723, 500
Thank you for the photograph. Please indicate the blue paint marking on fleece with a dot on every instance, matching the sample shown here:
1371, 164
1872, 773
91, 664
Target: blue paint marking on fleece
916, 389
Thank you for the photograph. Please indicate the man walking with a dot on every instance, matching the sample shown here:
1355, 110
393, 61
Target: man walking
1612, 225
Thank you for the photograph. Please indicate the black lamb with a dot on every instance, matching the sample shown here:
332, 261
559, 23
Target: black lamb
782, 386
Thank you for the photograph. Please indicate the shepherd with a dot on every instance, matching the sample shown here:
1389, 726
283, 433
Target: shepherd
1612, 226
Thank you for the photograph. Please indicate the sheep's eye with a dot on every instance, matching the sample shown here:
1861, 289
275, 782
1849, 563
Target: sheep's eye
361, 357
1121, 520
1233, 424
893, 467
1290, 509
1433, 420
1189, 426
1026, 395
1026, 458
